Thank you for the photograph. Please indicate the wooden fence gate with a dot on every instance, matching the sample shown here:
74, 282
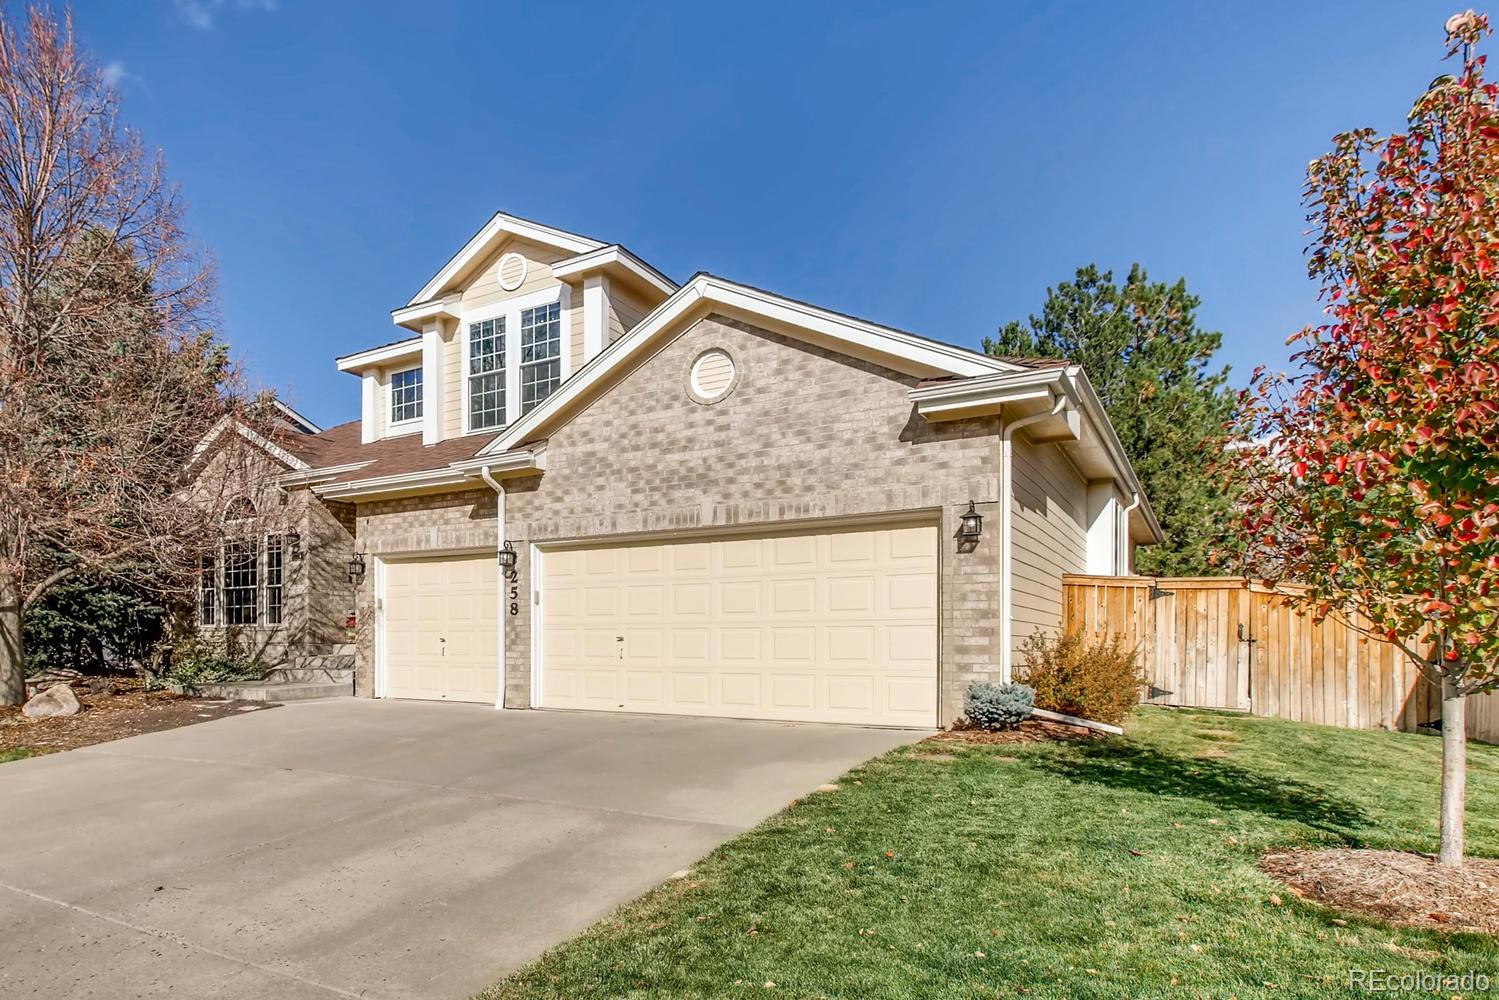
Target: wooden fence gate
1228, 643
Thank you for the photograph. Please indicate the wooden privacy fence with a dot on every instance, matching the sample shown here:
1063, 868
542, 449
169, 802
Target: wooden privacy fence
1225, 642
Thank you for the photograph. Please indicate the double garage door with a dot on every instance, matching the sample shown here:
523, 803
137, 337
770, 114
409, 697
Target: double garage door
827, 626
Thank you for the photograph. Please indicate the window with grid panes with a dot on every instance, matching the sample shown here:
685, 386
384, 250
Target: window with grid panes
486, 374
241, 582
274, 577
405, 395
540, 354
208, 581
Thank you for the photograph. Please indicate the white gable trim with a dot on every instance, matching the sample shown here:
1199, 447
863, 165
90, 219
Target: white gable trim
258, 440
614, 255
301, 422
497, 228
399, 351
706, 290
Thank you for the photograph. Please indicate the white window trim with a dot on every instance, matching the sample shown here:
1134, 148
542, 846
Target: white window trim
393, 427
221, 582
464, 372
213, 589
262, 566
511, 309
263, 609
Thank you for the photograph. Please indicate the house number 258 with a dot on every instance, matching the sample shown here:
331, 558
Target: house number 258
511, 576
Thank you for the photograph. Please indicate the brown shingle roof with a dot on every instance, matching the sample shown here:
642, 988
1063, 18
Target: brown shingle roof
389, 457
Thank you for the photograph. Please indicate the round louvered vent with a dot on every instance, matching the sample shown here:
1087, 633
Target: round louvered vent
712, 377
511, 271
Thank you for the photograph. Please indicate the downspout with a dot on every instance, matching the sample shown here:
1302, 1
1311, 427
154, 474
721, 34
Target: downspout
1006, 534
1122, 544
499, 504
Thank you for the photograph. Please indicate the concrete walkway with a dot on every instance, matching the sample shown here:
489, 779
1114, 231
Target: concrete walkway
356, 848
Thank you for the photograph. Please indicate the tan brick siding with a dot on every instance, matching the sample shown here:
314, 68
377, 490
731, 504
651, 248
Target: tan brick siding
806, 434
316, 594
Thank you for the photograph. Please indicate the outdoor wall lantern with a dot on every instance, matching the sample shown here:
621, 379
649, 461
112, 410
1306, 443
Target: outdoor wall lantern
971, 525
294, 542
356, 568
507, 556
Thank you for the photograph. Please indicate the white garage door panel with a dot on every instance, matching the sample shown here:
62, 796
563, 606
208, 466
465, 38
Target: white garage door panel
832, 626
441, 634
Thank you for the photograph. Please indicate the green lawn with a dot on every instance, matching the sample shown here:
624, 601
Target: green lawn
19, 753
1121, 868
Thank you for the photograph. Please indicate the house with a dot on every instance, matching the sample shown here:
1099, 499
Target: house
577, 484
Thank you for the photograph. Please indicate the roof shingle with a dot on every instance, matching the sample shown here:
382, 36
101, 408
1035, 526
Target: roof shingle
341, 445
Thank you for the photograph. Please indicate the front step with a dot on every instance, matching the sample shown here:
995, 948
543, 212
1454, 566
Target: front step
310, 673
272, 691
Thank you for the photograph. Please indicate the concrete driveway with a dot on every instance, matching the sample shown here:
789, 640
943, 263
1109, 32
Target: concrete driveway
359, 848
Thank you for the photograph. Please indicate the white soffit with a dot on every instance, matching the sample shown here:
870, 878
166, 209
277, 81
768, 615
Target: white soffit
615, 258
385, 354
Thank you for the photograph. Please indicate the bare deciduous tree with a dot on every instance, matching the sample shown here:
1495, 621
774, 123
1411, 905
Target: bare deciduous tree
109, 374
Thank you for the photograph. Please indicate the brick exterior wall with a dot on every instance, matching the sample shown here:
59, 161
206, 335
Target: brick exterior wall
806, 434
316, 594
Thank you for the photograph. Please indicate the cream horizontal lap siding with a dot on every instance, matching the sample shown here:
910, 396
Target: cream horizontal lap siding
452, 374
806, 436
574, 339
484, 292
1050, 537
626, 309
485, 289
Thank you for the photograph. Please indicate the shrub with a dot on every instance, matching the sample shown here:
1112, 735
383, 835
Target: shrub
1099, 682
998, 706
198, 659
93, 624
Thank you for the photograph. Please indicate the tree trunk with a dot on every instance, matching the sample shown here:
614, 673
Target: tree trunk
1454, 771
12, 655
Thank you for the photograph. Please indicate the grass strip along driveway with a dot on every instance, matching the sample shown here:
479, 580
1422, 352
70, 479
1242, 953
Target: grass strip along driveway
1112, 868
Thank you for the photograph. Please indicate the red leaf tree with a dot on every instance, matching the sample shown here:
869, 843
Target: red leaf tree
1377, 478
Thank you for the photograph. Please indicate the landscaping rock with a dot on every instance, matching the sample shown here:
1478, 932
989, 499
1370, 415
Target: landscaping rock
58, 699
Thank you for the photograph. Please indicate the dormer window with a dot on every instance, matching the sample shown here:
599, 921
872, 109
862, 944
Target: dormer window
540, 354
406, 395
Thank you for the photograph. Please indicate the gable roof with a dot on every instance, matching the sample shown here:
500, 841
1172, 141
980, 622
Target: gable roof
616, 256
233, 425
705, 293
500, 226
340, 457
297, 421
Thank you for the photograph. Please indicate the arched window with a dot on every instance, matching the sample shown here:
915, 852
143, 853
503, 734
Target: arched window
240, 509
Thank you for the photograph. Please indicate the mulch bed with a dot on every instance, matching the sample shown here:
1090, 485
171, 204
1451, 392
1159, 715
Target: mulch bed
1400, 887
1029, 731
112, 710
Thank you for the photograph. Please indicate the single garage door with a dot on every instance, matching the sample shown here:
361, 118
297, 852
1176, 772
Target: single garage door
441, 638
830, 626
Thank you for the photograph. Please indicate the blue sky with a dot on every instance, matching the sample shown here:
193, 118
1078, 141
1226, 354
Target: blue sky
930, 166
